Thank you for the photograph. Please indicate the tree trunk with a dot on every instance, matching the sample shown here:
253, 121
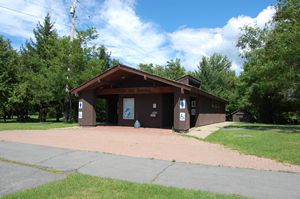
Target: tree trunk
4, 114
41, 115
9, 114
70, 101
44, 114
66, 105
21, 119
57, 115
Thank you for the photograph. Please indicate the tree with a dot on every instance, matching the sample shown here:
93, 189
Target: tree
86, 61
218, 79
8, 62
149, 68
43, 58
174, 69
156, 70
269, 85
215, 75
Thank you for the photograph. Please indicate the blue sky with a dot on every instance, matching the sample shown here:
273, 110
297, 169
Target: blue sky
145, 31
172, 14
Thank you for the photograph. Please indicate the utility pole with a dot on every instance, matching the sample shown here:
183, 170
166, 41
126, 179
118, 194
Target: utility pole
68, 94
73, 12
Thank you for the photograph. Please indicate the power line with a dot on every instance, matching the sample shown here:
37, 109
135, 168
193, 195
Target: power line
31, 15
46, 7
50, 9
146, 53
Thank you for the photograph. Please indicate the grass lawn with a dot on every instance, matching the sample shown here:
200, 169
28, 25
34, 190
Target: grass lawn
281, 144
84, 186
259, 125
12, 124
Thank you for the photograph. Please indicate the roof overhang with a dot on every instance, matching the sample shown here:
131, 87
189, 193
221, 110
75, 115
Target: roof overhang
113, 77
119, 73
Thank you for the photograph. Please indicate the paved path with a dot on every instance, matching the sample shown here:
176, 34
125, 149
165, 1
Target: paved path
149, 143
204, 131
15, 178
224, 180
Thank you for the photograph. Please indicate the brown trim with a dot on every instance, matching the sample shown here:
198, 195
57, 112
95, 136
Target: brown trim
94, 80
144, 90
146, 75
154, 77
189, 77
206, 94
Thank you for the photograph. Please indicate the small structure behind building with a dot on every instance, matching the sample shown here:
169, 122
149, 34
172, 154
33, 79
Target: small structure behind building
240, 116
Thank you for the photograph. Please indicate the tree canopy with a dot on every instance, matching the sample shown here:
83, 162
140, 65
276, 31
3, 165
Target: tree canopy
270, 84
217, 78
8, 63
35, 79
172, 70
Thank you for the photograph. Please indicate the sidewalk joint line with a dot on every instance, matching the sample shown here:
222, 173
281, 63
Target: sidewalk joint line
76, 170
55, 156
161, 172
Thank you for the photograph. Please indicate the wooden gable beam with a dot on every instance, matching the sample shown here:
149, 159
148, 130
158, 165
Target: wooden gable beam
141, 90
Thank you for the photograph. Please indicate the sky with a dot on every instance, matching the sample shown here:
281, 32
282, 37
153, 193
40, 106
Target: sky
145, 31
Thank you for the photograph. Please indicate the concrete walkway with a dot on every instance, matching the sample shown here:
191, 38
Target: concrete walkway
224, 180
204, 131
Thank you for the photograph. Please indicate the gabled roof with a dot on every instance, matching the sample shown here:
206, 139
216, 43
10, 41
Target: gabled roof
190, 80
115, 75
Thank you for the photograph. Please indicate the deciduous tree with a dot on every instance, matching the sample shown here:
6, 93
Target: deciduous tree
270, 85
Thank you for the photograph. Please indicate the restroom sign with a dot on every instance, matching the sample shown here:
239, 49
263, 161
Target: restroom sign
80, 105
182, 116
182, 104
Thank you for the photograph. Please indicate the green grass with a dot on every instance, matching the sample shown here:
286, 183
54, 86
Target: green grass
279, 144
84, 186
258, 125
12, 124
191, 136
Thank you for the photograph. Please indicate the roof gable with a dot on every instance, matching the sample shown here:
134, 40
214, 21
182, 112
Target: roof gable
190, 80
119, 73
113, 77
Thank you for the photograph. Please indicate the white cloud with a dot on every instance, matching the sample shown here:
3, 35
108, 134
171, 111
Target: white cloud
195, 43
19, 18
126, 35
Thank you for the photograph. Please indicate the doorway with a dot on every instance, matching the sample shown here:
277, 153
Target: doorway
112, 109
192, 112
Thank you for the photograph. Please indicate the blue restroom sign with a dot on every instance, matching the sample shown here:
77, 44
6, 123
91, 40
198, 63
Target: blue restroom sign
80, 105
182, 116
182, 104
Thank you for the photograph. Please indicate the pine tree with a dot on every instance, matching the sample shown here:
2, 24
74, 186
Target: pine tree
8, 62
214, 73
174, 69
42, 58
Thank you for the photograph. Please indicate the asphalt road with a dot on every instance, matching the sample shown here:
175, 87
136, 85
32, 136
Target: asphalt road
224, 180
